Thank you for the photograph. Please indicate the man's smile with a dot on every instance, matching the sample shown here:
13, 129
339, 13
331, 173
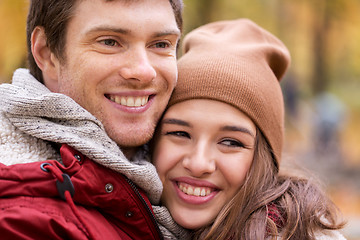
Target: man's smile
129, 101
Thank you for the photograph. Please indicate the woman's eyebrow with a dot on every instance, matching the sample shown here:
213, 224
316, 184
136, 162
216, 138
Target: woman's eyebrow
237, 129
175, 121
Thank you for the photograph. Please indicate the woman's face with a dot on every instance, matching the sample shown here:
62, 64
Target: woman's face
203, 150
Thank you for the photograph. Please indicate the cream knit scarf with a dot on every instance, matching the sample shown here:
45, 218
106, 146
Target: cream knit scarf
35, 111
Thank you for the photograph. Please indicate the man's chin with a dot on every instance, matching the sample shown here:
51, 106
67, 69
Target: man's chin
131, 139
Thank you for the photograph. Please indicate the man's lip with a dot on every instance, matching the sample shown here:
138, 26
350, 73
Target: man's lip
131, 98
130, 108
131, 93
129, 101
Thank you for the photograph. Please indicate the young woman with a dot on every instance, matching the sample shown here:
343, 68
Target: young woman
218, 147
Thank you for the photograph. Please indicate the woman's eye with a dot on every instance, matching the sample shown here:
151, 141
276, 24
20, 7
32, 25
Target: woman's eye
231, 143
178, 134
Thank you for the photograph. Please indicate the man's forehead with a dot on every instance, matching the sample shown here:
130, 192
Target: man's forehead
130, 31
155, 14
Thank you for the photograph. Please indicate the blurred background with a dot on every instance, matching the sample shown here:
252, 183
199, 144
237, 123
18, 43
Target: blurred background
321, 88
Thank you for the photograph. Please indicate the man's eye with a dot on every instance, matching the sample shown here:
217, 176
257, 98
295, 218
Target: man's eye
231, 143
162, 45
178, 134
109, 42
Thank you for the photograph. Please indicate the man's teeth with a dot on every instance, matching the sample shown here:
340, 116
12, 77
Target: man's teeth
194, 191
130, 101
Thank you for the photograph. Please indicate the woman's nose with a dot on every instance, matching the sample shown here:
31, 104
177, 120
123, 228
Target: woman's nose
200, 161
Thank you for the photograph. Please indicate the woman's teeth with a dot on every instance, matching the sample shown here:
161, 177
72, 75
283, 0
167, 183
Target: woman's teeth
194, 191
130, 101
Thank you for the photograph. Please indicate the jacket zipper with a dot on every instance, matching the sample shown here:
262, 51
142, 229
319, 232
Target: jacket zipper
134, 187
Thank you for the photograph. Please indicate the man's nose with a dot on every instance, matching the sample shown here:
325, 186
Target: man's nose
138, 66
200, 161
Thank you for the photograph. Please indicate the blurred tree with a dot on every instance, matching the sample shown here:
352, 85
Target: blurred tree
321, 35
320, 27
198, 13
326, 13
13, 36
343, 42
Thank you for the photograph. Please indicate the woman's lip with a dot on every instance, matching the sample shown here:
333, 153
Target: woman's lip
191, 199
195, 182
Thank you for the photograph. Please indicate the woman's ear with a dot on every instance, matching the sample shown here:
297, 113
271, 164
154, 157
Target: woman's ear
44, 58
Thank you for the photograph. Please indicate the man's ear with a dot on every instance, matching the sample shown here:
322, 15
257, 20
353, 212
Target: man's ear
44, 58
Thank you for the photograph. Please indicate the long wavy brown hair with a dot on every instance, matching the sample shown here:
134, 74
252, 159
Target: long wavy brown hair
301, 206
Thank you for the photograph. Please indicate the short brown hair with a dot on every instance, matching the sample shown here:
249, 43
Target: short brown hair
53, 16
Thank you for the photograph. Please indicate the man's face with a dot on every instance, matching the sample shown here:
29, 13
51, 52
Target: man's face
120, 64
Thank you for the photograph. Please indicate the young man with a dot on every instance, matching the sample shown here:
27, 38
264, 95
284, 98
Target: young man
100, 75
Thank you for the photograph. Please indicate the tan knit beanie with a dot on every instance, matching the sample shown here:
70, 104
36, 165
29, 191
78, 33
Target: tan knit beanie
239, 63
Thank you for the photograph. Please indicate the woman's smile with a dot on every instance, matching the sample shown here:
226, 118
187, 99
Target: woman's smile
204, 150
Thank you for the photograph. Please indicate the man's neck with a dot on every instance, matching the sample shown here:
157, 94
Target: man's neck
129, 152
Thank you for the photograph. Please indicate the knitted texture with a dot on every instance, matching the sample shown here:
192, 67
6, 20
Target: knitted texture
239, 63
41, 116
169, 228
17, 147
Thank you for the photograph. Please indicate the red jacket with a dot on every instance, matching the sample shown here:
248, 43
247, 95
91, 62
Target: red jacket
36, 202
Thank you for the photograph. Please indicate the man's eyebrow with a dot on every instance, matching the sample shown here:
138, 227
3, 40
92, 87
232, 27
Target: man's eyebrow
125, 31
237, 129
168, 33
109, 28
175, 121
